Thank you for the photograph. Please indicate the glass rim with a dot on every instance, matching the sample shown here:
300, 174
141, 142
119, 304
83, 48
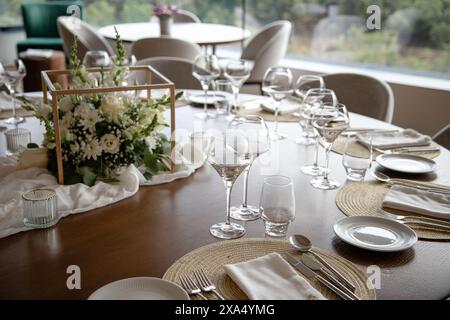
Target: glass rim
287, 180
17, 131
51, 195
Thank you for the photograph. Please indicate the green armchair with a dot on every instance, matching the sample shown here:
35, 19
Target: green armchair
39, 21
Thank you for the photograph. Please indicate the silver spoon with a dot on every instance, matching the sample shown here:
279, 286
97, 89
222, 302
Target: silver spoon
315, 265
409, 183
303, 244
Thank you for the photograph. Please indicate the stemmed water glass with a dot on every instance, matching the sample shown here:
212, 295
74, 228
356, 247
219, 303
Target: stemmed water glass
313, 101
302, 86
258, 138
229, 155
96, 59
205, 69
277, 83
329, 122
237, 71
10, 76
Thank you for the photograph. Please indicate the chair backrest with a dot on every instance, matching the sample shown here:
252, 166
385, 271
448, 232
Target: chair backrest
39, 19
165, 47
267, 48
363, 94
442, 137
178, 70
185, 16
88, 38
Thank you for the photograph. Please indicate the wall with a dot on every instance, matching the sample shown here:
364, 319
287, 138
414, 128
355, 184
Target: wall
8, 41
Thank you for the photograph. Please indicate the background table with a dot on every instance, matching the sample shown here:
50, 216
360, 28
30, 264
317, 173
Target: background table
204, 34
145, 234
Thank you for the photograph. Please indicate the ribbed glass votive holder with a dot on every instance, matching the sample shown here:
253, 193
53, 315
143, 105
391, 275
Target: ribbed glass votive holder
17, 139
40, 208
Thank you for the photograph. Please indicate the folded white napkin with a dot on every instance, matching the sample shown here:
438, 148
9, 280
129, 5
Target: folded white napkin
389, 140
271, 278
418, 201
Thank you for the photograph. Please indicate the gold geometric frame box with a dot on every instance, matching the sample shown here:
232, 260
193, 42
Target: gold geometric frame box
48, 87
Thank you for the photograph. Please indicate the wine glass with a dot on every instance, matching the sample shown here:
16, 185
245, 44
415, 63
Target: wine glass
277, 83
278, 201
205, 69
329, 122
229, 155
237, 71
10, 76
314, 99
96, 59
302, 86
257, 134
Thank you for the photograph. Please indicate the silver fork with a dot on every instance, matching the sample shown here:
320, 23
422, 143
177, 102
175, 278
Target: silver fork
190, 286
205, 283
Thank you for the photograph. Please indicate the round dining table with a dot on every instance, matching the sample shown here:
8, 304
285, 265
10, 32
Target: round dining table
146, 233
203, 34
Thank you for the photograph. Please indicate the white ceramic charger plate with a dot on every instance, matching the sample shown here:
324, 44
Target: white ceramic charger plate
140, 288
375, 233
406, 163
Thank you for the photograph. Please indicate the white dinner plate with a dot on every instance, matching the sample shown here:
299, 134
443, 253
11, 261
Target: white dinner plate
140, 288
406, 163
211, 99
375, 233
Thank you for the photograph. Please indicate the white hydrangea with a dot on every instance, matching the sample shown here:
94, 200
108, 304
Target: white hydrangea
110, 143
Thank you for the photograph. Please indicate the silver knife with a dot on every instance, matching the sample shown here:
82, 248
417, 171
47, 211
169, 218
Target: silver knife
311, 274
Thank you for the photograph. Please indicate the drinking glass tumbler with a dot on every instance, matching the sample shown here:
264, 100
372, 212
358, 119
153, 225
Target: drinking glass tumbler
278, 201
356, 159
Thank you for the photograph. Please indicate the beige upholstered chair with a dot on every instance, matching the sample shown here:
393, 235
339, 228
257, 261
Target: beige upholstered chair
185, 16
165, 47
88, 38
266, 49
363, 94
442, 137
178, 70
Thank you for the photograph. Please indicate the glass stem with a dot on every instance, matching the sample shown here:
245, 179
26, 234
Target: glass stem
205, 87
228, 186
13, 95
235, 97
316, 156
276, 105
327, 160
244, 198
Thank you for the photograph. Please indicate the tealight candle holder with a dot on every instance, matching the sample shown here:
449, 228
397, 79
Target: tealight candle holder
17, 139
40, 208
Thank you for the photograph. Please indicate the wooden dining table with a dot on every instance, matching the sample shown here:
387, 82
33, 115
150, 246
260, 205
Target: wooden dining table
145, 234
203, 34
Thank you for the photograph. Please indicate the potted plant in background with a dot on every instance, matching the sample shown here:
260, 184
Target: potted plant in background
165, 14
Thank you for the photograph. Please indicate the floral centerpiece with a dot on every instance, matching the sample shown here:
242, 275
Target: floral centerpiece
100, 133
165, 13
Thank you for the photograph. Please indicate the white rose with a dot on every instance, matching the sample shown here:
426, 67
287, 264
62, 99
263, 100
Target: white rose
110, 143
66, 104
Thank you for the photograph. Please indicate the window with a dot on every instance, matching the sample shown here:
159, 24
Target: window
414, 35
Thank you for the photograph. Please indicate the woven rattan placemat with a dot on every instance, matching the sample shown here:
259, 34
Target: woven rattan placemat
366, 198
211, 258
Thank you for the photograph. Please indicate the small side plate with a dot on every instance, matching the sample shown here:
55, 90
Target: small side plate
375, 233
406, 163
140, 288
